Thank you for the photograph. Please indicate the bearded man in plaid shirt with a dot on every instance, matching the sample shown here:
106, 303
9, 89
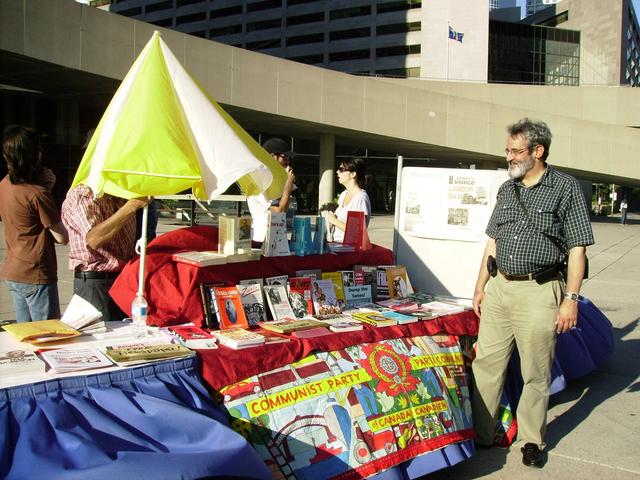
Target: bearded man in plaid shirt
101, 241
522, 294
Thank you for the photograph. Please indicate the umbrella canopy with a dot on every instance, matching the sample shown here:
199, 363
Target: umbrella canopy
162, 134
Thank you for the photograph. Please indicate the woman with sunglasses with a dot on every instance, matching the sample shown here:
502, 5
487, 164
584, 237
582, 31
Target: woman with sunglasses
351, 174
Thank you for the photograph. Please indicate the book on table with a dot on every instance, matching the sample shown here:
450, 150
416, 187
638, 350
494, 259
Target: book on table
374, 318
142, 352
62, 360
252, 281
237, 338
278, 302
271, 337
277, 280
313, 273
400, 318
276, 243
82, 315
252, 302
288, 326
325, 301
357, 295
348, 278
345, 326
300, 296
209, 305
355, 231
398, 281
19, 362
230, 310
234, 233
338, 288
200, 259
367, 275
312, 332
193, 337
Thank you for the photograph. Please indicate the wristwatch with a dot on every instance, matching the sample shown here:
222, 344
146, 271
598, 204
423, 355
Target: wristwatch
572, 296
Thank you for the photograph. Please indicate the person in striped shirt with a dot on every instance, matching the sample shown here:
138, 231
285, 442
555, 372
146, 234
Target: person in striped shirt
101, 241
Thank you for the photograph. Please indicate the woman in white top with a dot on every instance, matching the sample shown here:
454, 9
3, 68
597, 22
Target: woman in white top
351, 174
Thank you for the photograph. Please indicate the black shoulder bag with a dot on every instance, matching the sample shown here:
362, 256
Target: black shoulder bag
562, 266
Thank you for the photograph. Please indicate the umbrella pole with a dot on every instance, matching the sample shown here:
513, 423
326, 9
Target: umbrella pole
141, 249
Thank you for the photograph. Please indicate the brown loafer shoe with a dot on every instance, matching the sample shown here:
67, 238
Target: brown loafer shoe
532, 456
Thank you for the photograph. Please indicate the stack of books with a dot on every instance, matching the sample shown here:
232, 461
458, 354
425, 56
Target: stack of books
238, 338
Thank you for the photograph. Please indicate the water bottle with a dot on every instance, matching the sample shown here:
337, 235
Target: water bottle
139, 310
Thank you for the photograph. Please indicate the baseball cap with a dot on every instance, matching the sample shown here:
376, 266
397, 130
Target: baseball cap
278, 146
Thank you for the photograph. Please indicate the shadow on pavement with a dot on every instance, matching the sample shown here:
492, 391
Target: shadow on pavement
589, 392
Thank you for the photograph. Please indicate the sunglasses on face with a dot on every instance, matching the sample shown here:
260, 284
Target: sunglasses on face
342, 169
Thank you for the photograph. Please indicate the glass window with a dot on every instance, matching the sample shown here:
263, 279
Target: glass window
264, 25
156, 7
350, 12
305, 39
308, 18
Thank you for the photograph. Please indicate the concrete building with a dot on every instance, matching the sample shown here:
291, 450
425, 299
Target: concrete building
609, 38
60, 63
535, 6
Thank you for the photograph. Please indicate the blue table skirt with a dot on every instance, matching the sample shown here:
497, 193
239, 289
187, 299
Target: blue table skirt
154, 421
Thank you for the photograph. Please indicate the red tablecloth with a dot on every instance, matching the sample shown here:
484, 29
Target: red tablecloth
226, 366
173, 289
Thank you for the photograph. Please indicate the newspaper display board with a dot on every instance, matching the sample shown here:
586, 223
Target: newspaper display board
443, 214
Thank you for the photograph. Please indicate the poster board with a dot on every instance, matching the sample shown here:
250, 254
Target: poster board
442, 216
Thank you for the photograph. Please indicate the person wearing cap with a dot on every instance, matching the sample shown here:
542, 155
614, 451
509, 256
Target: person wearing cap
259, 205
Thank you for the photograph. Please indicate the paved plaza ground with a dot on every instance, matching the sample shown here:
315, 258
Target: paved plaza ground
594, 424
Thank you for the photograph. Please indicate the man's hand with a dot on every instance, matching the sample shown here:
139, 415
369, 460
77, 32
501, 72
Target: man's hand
135, 204
478, 297
567, 316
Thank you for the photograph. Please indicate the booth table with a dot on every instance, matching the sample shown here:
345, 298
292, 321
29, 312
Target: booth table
155, 421
347, 405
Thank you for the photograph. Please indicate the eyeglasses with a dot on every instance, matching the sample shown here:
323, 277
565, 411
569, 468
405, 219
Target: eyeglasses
517, 151
342, 169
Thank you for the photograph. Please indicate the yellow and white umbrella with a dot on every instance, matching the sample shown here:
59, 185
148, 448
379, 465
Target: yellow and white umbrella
162, 134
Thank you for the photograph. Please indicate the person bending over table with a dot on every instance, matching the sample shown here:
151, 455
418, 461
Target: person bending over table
351, 174
31, 227
101, 241
539, 215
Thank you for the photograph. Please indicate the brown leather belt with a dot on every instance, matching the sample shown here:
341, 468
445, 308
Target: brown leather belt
517, 278
546, 272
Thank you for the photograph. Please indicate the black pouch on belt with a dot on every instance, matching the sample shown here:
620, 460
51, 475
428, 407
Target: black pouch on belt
492, 265
547, 274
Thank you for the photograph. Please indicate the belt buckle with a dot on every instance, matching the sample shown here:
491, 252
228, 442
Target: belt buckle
531, 276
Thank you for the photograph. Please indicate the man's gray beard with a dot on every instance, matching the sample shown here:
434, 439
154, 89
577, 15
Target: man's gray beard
519, 170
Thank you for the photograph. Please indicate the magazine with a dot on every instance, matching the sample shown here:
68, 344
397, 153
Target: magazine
253, 303
278, 302
336, 279
61, 360
230, 310
300, 296
324, 298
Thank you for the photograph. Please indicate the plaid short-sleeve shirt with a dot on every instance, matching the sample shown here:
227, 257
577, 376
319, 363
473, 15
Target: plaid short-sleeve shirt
80, 213
556, 207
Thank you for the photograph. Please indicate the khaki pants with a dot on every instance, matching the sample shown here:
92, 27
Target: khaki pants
520, 313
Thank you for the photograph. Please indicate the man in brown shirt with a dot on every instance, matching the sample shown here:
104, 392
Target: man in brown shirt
31, 226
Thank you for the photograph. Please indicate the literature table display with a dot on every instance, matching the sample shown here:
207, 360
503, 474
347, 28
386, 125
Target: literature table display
366, 406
